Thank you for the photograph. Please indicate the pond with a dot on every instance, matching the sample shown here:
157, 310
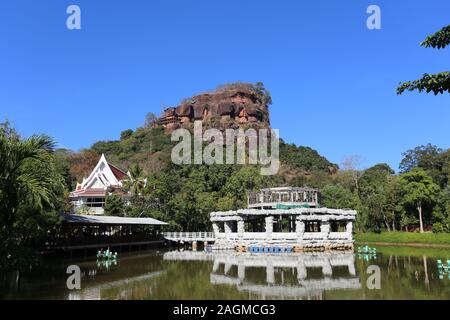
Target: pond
403, 273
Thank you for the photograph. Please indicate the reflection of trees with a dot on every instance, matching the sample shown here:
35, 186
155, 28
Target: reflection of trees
425, 267
398, 277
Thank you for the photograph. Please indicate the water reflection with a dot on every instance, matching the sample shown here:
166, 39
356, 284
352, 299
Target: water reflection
95, 292
406, 273
293, 276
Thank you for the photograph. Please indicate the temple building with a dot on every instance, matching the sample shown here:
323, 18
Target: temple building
89, 196
284, 218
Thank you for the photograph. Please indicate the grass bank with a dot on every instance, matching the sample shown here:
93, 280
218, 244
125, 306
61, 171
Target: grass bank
405, 238
428, 250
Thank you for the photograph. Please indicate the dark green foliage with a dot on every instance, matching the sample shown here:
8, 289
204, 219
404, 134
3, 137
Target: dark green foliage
336, 196
135, 182
135, 144
63, 167
378, 206
437, 83
264, 95
32, 192
434, 160
106, 147
126, 134
441, 212
438, 40
421, 156
419, 192
185, 195
114, 206
305, 158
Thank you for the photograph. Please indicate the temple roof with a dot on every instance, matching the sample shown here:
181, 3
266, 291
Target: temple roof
119, 174
102, 177
93, 192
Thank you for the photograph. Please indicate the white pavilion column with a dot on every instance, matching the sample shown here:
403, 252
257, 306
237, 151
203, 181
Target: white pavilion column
270, 273
349, 229
241, 271
299, 228
216, 229
325, 229
269, 227
227, 267
326, 268
351, 266
216, 265
301, 271
227, 227
240, 229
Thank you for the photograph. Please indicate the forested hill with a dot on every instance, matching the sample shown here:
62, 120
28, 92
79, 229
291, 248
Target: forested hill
150, 147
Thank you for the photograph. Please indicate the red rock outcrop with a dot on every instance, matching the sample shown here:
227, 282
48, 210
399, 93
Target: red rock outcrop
230, 106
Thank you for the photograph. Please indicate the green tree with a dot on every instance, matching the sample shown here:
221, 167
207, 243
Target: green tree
336, 196
126, 134
114, 205
240, 183
305, 158
437, 83
422, 156
264, 95
150, 120
434, 160
373, 194
135, 182
8, 131
441, 212
393, 207
225, 203
31, 193
418, 190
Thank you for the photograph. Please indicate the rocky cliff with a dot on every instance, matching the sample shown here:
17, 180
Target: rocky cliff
229, 106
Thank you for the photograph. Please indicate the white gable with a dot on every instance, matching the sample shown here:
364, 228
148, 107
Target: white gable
101, 176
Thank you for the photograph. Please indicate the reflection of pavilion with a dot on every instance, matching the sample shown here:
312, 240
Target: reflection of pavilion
122, 287
293, 276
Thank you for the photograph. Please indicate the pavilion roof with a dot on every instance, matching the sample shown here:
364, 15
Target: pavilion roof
109, 220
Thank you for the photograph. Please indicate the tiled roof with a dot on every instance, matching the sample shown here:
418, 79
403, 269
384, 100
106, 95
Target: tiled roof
119, 174
94, 192
111, 220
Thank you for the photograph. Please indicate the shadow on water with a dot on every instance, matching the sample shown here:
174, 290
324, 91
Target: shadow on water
405, 273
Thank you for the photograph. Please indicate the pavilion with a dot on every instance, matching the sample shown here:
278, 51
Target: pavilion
278, 218
100, 231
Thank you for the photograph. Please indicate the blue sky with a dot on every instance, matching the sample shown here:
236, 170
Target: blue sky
332, 80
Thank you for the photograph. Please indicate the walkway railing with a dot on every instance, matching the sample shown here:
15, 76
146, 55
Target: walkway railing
189, 236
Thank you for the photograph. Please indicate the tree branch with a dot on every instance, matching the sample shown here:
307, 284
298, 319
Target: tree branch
438, 40
437, 83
